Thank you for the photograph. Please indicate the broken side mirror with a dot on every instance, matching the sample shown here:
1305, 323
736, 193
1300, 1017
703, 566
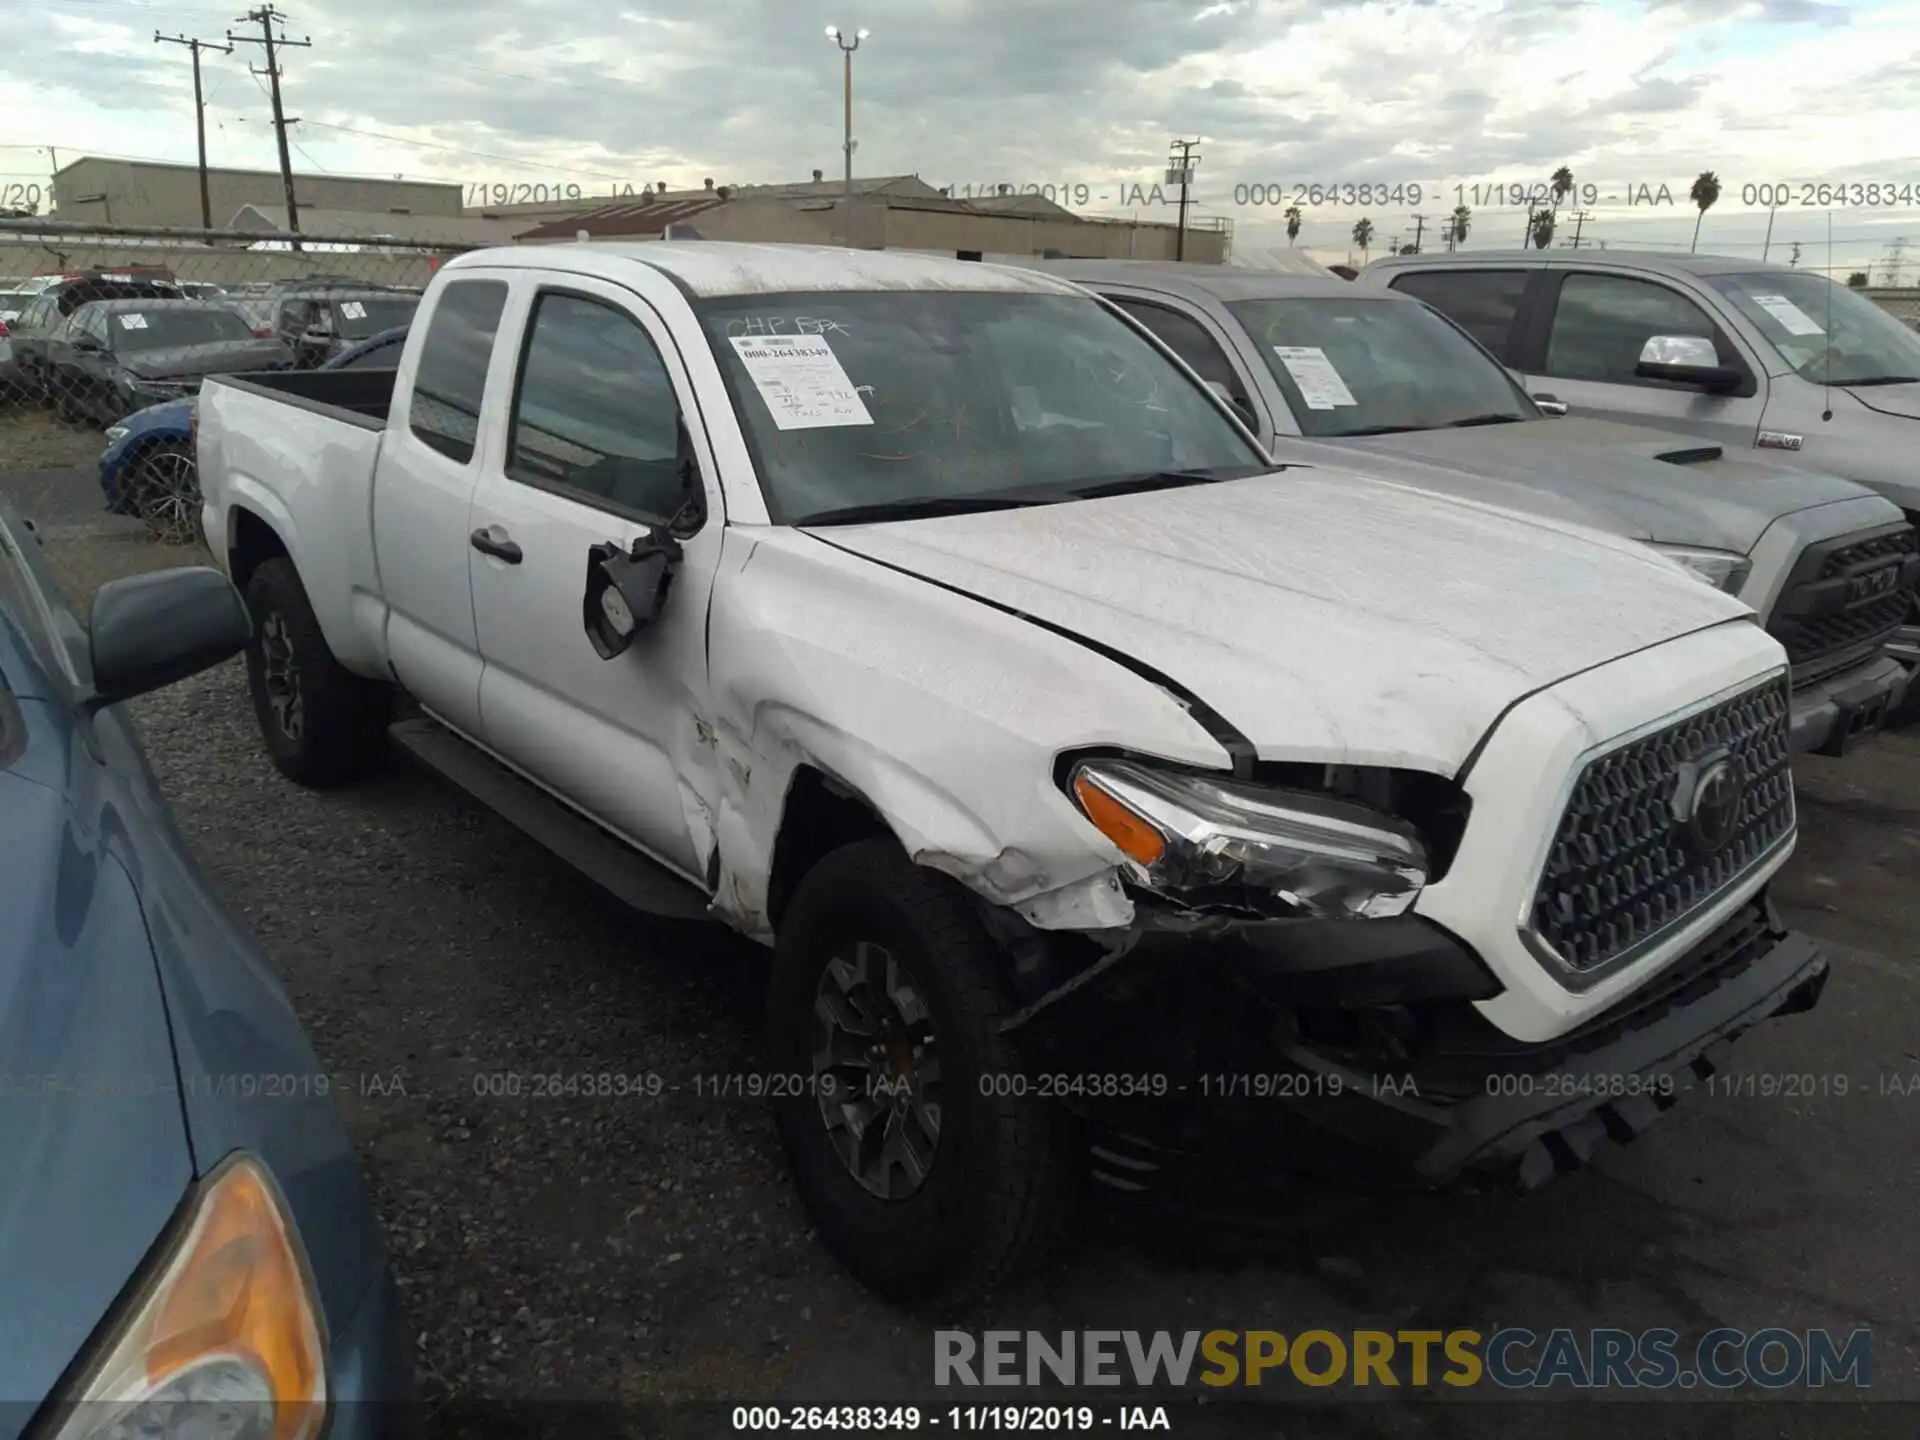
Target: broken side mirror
627, 590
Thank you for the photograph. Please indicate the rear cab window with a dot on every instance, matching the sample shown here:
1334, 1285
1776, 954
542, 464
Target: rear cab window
450, 376
1484, 303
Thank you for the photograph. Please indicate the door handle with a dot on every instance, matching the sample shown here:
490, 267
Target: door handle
493, 540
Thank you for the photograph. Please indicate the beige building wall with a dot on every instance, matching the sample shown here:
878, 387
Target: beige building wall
128, 192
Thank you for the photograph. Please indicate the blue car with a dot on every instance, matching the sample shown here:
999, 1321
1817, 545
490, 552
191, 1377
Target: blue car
182, 1218
150, 453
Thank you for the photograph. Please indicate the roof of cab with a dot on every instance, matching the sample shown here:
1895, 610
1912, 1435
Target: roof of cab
1658, 262
710, 268
1223, 282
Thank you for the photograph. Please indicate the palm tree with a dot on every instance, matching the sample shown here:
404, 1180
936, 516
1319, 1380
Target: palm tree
1458, 225
1705, 190
1562, 185
1293, 223
1363, 236
1857, 280
1794, 259
1541, 228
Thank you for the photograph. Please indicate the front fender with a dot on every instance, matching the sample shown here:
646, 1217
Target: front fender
945, 714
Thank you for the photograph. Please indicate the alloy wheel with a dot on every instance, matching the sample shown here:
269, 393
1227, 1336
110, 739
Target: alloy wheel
281, 669
167, 494
876, 1070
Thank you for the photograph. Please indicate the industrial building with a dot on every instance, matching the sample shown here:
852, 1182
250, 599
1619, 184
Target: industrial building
891, 212
143, 192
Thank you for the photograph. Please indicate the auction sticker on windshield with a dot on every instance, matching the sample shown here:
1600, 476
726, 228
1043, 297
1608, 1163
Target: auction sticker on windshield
353, 310
1320, 384
1791, 316
801, 380
133, 322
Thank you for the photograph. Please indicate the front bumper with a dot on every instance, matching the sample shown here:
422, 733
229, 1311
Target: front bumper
1394, 1084
1905, 645
1833, 715
371, 1372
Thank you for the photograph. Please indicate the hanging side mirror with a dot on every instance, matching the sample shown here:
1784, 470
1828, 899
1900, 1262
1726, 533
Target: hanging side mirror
627, 590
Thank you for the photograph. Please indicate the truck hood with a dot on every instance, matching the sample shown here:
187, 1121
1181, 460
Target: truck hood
1639, 482
1901, 400
1326, 615
97, 1158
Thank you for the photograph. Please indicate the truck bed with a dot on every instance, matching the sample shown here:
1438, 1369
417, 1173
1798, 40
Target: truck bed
360, 397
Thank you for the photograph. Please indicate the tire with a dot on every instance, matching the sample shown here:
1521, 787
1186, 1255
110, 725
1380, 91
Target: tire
163, 487
329, 726
1000, 1190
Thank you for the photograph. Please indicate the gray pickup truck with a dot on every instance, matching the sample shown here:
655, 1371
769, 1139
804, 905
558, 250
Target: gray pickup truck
1752, 355
1824, 561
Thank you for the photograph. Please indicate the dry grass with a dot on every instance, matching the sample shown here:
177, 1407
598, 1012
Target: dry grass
84, 563
32, 439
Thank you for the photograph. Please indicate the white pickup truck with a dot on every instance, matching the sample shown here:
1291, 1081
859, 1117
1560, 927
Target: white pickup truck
1114, 802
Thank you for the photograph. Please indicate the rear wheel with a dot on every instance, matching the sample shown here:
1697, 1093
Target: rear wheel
885, 1005
323, 725
163, 486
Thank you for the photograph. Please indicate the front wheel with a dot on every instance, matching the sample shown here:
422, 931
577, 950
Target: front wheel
925, 1177
163, 486
323, 725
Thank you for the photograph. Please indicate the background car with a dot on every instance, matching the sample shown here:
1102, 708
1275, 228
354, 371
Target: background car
319, 321
12, 303
173, 1142
118, 356
52, 307
148, 466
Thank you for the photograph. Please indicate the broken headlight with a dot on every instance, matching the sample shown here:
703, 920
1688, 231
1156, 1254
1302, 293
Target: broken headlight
1184, 833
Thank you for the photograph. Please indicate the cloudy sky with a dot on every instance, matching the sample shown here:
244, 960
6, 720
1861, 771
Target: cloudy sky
1082, 95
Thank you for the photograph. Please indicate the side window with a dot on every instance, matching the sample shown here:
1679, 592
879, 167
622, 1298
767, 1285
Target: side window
595, 410
1481, 302
1188, 339
1602, 321
450, 380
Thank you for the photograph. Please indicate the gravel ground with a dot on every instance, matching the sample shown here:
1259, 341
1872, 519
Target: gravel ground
648, 1247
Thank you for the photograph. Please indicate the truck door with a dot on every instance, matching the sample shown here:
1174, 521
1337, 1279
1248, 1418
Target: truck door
596, 450
421, 498
1598, 325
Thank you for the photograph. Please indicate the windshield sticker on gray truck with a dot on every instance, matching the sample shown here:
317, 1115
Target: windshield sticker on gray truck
353, 310
1795, 320
133, 322
801, 380
1320, 384
784, 325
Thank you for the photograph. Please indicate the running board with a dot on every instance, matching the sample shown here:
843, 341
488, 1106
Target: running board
618, 868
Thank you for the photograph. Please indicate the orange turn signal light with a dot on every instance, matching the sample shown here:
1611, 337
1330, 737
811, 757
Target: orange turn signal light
1138, 838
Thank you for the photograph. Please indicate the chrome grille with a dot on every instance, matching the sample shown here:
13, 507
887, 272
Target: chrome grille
1627, 866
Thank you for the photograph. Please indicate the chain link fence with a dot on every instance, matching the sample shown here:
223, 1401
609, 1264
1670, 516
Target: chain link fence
109, 333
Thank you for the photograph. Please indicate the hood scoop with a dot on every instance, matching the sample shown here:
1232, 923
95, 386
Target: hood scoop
1693, 455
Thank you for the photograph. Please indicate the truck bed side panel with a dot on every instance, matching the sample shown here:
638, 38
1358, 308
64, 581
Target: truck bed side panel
280, 461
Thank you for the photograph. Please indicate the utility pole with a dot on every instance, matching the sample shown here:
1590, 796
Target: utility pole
199, 112
1184, 172
1580, 218
266, 17
1419, 229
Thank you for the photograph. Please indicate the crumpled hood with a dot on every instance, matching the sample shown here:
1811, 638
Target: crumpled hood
96, 1155
1901, 400
1616, 472
1324, 614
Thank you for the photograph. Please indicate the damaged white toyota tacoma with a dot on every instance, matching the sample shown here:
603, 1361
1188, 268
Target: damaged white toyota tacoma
1114, 802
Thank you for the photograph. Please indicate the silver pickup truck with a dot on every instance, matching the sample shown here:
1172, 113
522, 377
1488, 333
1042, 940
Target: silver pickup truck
1823, 560
1755, 356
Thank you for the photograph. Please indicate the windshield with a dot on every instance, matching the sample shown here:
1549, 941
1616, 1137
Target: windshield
1354, 365
1822, 329
933, 398
366, 315
164, 328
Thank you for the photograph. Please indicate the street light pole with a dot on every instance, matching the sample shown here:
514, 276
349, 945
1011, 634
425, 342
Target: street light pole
835, 34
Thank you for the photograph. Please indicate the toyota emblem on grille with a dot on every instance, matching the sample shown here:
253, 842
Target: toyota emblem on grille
1873, 584
1706, 802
